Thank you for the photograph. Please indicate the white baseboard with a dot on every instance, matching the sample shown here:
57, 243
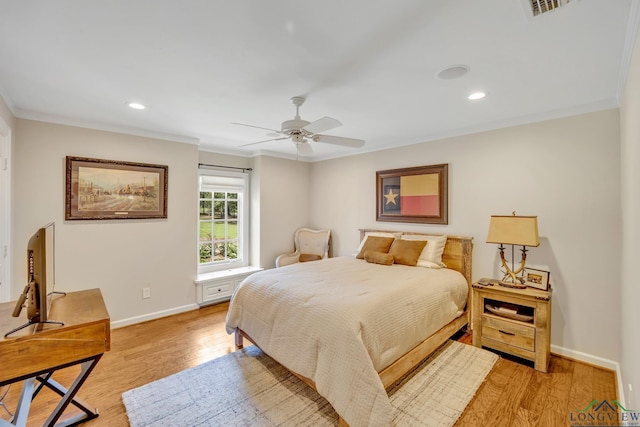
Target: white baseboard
152, 316
593, 360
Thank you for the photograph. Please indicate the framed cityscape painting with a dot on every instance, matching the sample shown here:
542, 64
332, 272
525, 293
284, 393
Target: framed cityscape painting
110, 189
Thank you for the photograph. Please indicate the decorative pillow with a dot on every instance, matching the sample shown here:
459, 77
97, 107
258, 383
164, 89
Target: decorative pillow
376, 234
431, 256
309, 257
429, 264
376, 244
378, 258
407, 252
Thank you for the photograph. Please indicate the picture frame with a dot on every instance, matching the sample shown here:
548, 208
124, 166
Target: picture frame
538, 279
98, 189
415, 194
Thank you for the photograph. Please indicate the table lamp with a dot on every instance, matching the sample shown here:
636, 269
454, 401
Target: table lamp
513, 230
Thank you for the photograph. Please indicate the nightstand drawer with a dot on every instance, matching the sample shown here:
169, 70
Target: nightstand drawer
509, 333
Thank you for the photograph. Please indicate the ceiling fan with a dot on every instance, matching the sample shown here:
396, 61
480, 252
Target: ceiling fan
302, 132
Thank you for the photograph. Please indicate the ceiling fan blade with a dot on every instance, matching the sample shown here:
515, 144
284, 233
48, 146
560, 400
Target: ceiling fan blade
266, 140
304, 148
258, 127
339, 140
322, 125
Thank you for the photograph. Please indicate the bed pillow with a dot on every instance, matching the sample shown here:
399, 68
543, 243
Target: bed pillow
429, 264
431, 256
378, 258
376, 244
376, 234
309, 257
407, 252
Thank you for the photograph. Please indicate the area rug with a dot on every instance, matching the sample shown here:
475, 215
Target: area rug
249, 388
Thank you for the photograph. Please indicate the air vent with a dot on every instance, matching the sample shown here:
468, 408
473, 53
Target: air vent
538, 7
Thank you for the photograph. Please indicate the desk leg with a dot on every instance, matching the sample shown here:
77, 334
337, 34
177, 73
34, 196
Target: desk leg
22, 411
68, 396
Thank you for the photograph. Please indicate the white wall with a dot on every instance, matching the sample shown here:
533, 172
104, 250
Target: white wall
210, 158
6, 114
118, 256
630, 177
121, 257
7, 123
280, 205
564, 171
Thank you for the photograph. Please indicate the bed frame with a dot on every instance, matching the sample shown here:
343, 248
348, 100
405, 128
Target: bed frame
457, 256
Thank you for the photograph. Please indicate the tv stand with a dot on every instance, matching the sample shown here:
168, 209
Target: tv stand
35, 352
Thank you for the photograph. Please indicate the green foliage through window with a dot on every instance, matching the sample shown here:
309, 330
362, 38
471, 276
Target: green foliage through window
218, 227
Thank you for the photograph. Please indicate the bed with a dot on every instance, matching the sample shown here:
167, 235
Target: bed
351, 328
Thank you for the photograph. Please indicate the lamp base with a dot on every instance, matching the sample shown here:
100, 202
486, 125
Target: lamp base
511, 285
511, 278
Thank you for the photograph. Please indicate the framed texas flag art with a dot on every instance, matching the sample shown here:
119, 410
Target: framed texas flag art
417, 194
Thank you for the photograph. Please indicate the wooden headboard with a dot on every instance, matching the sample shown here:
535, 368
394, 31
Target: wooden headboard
456, 255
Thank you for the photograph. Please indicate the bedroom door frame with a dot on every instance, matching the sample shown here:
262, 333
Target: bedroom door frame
5, 211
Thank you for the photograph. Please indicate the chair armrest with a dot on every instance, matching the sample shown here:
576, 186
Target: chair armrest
287, 259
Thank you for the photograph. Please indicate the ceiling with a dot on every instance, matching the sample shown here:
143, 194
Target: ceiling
201, 65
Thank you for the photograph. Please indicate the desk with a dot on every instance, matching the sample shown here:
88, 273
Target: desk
36, 352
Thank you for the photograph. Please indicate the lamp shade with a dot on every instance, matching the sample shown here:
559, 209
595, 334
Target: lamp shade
514, 230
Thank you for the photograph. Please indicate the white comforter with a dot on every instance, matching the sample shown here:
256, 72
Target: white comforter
339, 321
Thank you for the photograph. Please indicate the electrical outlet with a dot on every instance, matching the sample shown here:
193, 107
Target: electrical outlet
146, 293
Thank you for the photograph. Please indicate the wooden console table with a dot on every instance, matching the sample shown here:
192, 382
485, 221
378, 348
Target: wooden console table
33, 354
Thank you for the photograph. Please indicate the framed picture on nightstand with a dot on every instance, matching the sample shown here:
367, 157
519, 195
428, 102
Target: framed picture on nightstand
538, 279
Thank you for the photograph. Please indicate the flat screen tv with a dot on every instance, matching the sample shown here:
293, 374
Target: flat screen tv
36, 297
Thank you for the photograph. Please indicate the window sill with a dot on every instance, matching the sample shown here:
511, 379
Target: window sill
225, 274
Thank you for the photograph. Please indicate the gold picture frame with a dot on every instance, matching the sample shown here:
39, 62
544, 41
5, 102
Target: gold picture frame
98, 189
416, 194
538, 279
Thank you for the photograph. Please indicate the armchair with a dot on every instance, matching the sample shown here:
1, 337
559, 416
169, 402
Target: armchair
310, 245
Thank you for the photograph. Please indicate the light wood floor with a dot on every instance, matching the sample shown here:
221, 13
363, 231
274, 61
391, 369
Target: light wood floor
514, 394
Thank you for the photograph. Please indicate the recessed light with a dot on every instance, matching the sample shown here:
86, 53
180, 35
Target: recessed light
136, 106
453, 72
477, 95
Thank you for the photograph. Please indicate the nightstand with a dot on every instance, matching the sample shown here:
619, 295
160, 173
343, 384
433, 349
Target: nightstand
513, 321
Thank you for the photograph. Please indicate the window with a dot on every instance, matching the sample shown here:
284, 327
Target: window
223, 220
